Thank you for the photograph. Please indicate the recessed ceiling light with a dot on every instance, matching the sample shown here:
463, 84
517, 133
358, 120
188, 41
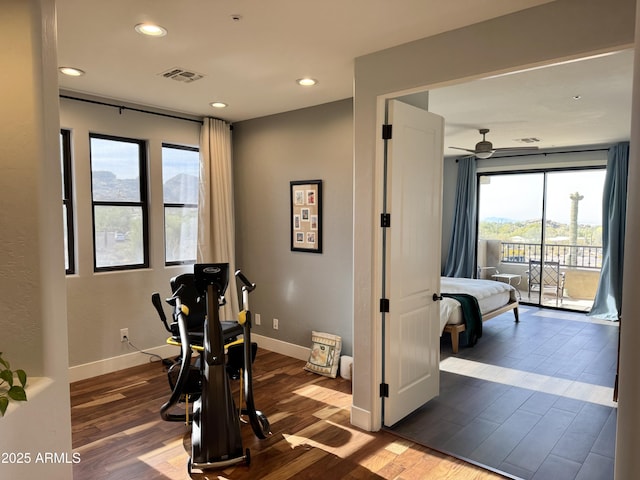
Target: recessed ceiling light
151, 30
577, 97
307, 82
218, 104
72, 72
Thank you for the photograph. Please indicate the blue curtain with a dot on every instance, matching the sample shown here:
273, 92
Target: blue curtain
608, 299
462, 248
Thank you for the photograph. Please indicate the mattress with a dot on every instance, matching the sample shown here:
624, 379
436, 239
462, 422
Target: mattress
489, 293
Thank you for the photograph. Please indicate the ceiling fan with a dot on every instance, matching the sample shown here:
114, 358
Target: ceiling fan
484, 149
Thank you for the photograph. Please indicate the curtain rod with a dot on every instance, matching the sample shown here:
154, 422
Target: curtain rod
560, 152
122, 107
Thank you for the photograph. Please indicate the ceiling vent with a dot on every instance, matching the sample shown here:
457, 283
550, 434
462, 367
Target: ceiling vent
528, 140
181, 75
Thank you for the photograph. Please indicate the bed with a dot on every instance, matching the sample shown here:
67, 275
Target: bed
494, 298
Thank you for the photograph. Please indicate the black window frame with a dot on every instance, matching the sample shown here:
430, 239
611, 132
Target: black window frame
143, 203
175, 205
67, 198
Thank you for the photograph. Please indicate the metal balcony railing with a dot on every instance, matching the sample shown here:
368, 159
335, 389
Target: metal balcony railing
582, 256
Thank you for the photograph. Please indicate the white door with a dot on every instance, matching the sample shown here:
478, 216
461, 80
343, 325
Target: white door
412, 263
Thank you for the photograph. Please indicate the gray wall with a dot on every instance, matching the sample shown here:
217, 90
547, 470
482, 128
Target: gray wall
304, 291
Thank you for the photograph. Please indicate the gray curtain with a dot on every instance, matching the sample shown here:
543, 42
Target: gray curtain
608, 299
462, 248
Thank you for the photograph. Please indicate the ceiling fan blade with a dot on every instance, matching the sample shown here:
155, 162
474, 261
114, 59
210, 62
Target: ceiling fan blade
465, 149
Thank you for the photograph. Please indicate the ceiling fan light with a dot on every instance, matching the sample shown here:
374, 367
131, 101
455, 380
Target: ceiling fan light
484, 155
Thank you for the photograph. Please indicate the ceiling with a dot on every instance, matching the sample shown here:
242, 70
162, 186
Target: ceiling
250, 54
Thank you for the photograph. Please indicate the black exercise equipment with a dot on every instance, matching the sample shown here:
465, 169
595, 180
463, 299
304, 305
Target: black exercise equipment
216, 438
194, 308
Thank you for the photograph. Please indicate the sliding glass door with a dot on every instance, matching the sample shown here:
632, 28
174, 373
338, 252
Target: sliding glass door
542, 232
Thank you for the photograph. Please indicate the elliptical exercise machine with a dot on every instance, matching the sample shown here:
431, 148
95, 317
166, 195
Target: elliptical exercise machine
216, 440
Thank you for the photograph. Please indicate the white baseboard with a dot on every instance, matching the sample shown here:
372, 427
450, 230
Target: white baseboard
361, 418
283, 348
113, 364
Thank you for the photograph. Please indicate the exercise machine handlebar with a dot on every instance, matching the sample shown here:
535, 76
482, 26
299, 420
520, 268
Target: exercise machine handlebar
259, 422
183, 376
247, 284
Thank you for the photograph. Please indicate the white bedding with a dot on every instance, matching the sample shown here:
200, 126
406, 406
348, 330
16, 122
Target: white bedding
490, 295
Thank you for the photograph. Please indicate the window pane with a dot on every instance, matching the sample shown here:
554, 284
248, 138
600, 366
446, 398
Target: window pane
180, 174
574, 204
62, 169
181, 226
115, 170
66, 237
67, 200
118, 235
510, 207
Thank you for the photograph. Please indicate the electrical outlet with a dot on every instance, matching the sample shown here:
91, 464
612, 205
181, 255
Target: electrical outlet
275, 323
257, 319
124, 334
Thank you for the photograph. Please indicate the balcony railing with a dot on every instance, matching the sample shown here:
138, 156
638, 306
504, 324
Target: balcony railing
583, 256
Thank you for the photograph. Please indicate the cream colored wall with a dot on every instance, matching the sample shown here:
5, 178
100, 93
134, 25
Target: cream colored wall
100, 304
561, 30
628, 429
33, 326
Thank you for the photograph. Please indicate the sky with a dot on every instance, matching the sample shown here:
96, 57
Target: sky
120, 158
519, 196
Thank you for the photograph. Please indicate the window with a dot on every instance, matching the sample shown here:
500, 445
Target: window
119, 198
180, 178
67, 202
552, 216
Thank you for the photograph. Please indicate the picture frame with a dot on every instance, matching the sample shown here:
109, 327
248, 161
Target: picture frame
306, 215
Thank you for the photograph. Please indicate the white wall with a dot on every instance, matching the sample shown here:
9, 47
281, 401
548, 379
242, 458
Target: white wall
305, 291
100, 304
564, 29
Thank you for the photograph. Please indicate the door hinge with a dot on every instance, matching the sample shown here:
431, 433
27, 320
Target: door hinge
387, 132
385, 220
384, 390
384, 305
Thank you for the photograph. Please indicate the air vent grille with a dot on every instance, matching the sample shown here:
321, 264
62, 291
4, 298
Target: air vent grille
528, 140
181, 75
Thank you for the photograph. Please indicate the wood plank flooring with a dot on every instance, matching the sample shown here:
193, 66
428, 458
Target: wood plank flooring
118, 432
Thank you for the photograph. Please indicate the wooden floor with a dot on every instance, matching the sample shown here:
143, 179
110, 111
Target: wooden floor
118, 432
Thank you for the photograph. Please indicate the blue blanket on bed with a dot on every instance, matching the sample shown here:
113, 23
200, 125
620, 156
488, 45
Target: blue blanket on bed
471, 315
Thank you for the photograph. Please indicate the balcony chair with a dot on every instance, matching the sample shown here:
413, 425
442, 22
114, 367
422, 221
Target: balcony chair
546, 278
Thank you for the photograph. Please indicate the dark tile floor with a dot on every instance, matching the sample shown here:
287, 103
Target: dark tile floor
532, 400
